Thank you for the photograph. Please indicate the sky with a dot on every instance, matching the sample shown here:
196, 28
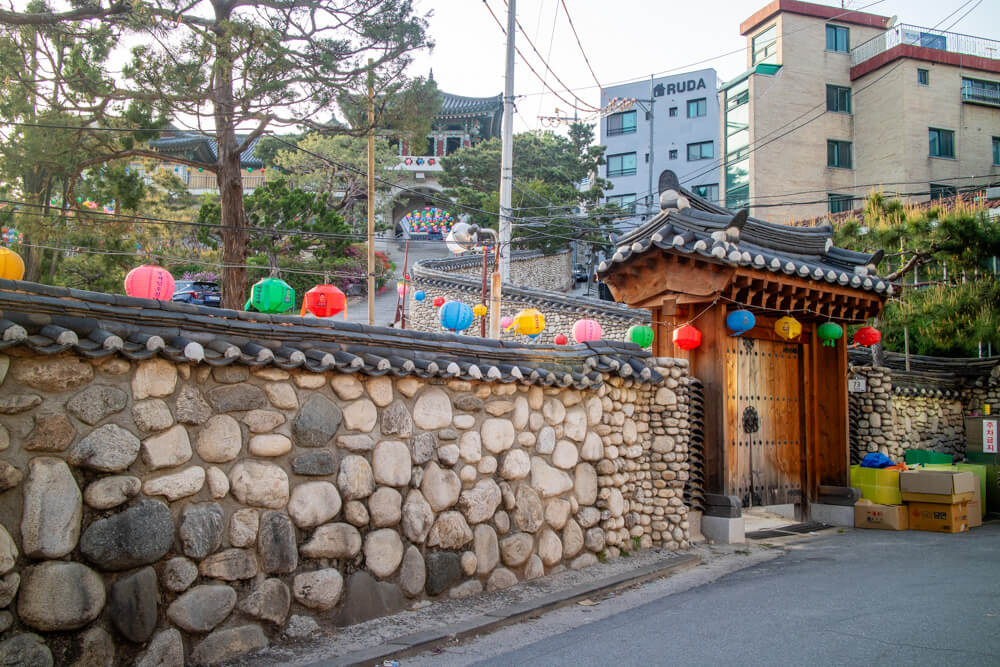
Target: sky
624, 40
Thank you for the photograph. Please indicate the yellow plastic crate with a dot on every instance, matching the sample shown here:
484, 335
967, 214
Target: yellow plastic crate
878, 486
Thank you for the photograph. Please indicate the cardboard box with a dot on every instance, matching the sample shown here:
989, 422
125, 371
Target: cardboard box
939, 517
878, 486
937, 486
976, 511
882, 517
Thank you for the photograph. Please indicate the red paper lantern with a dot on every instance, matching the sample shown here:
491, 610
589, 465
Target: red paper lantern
438, 301
867, 336
561, 339
687, 337
150, 282
324, 301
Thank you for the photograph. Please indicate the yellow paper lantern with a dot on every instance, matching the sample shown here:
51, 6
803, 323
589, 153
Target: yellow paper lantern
479, 310
788, 327
528, 322
11, 265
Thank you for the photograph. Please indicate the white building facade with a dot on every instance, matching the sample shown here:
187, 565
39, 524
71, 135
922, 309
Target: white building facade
673, 124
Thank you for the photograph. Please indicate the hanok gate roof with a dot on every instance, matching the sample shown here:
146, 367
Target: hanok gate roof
688, 225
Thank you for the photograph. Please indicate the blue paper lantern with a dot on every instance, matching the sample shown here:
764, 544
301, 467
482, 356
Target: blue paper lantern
419, 296
740, 322
456, 316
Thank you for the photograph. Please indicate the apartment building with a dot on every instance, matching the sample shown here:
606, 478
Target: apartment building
673, 123
835, 103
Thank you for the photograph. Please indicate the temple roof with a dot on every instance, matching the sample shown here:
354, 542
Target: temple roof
458, 105
692, 225
52, 320
203, 146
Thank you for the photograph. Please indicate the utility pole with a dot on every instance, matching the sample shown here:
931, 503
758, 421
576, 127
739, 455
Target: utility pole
653, 203
507, 156
371, 193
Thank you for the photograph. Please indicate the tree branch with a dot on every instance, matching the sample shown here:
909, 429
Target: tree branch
50, 18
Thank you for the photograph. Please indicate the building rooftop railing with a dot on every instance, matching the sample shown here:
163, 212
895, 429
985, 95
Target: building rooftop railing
928, 38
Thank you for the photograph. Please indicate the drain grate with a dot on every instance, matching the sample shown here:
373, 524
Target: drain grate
785, 531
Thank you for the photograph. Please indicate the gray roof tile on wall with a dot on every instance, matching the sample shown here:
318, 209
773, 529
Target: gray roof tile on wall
52, 321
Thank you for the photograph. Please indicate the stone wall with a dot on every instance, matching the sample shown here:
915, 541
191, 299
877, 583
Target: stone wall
871, 419
530, 268
929, 422
460, 280
157, 512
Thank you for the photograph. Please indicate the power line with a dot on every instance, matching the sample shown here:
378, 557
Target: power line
580, 44
537, 75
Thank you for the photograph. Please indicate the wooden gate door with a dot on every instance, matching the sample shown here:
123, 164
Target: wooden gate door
764, 414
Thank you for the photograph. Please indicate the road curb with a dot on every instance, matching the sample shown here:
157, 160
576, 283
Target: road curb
423, 640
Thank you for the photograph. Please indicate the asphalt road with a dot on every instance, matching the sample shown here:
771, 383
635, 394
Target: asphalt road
862, 597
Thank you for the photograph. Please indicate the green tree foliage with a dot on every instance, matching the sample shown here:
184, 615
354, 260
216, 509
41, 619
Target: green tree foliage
227, 64
339, 177
546, 197
288, 223
941, 259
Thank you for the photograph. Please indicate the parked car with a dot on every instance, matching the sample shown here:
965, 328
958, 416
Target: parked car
579, 273
198, 292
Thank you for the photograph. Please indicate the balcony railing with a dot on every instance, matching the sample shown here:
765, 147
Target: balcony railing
977, 93
927, 38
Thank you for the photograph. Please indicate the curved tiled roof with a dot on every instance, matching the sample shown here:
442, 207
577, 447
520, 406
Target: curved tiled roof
52, 320
932, 376
454, 105
441, 273
180, 141
691, 225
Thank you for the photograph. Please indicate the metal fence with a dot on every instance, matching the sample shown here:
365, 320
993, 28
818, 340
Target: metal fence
927, 38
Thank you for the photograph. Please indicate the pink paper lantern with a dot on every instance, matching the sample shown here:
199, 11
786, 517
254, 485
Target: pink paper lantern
585, 330
505, 322
150, 282
402, 289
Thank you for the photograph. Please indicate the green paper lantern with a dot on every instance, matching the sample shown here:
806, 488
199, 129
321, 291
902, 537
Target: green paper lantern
640, 334
271, 295
830, 333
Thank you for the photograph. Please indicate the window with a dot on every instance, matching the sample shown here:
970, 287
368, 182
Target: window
939, 191
703, 150
709, 192
838, 154
673, 111
838, 98
697, 108
837, 38
923, 77
622, 164
624, 202
658, 90
996, 150
738, 183
621, 123
840, 203
942, 142
673, 153
765, 46
979, 91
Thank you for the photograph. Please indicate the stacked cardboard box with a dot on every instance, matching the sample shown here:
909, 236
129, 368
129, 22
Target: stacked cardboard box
938, 500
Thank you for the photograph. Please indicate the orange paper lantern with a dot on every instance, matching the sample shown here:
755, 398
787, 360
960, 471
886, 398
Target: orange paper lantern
11, 265
687, 337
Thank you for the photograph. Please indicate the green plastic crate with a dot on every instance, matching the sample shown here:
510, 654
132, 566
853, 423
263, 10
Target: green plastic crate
913, 456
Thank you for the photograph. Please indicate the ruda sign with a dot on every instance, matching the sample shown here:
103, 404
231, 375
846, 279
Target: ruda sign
680, 87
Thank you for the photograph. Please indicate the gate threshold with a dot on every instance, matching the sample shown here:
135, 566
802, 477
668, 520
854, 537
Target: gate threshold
786, 531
